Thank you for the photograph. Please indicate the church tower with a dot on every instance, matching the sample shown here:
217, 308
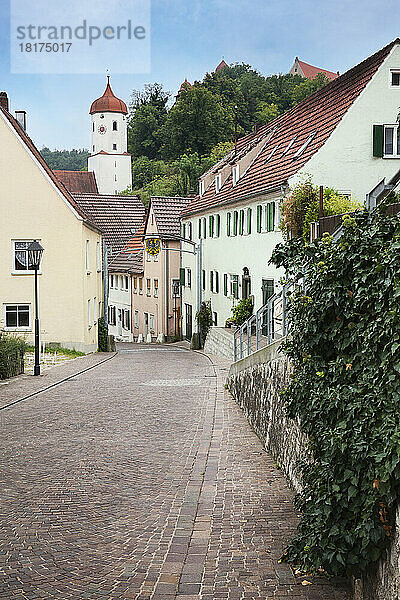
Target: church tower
110, 161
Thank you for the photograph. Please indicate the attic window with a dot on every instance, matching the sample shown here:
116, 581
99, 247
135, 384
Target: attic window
201, 188
290, 144
218, 183
304, 146
235, 174
395, 77
271, 154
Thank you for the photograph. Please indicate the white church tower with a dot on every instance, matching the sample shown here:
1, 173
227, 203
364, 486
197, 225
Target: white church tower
110, 161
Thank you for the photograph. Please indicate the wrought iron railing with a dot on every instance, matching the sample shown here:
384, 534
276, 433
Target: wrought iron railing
267, 325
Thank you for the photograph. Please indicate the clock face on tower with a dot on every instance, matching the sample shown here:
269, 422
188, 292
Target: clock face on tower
102, 129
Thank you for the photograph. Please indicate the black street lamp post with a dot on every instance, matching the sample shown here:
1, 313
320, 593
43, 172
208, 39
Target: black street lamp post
35, 252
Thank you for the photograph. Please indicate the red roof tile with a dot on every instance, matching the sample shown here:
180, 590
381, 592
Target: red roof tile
221, 65
83, 182
167, 211
115, 216
318, 114
310, 72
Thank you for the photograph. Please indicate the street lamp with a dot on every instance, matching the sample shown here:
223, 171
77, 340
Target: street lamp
35, 252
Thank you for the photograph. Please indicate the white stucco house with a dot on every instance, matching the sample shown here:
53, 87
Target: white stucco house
345, 136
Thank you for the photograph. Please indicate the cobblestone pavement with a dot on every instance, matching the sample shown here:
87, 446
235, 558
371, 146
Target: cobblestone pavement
141, 479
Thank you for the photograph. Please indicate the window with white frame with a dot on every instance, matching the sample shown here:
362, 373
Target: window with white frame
189, 278
151, 323
156, 288
89, 312
395, 77
148, 287
98, 255
21, 257
126, 278
391, 147
218, 183
87, 256
136, 316
234, 286
112, 315
17, 317
126, 319
190, 227
235, 174
111, 281
140, 285
135, 285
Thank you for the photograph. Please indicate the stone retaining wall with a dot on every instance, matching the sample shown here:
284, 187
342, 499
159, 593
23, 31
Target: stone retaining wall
219, 342
255, 383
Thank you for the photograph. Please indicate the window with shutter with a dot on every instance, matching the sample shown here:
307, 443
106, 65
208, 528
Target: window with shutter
235, 222
228, 224
225, 284
211, 225
204, 279
241, 222
204, 228
182, 277
259, 218
378, 141
199, 228
218, 228
216, 282
249, 216
211, 281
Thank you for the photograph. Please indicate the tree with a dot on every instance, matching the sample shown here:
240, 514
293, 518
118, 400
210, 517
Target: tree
195, 123
308, 86
266, 112
148, 112
69, 160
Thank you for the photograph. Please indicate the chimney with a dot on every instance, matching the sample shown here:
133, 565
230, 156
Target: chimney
4, 100
20, 116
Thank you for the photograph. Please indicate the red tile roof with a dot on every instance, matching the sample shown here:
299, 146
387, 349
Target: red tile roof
126, 262
108, 102
136, 244
32, 148
221, 65
310, 72
115, 216
318, 114
167, 211
83, 182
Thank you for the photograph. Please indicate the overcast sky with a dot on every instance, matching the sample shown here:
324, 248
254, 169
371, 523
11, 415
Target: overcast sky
189, 38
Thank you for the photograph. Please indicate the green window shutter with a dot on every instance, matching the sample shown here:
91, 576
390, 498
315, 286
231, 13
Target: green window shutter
249, 220
236, 288
225, 284
199, 228
182, 277
259, 218
228, 224
190, 231
204, 279
218, 225
378, 141
217, 282
235, 222
270, 216
241, 222
204, 228
212, 281
211, 226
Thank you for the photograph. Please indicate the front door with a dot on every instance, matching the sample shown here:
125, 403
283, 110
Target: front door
120, 317
267, 291
188, 328
146, 324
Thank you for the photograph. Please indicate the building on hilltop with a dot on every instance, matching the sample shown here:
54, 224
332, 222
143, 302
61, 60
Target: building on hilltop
344, 136
309, 72
110, 160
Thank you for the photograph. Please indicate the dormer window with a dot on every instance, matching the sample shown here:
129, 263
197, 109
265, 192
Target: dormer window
218, 183
235, 174
304, 146
201, 188
395, 77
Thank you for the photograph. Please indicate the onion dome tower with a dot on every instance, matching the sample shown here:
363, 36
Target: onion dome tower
110, 161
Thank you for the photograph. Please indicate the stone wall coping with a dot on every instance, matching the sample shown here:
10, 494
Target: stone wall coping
263, 355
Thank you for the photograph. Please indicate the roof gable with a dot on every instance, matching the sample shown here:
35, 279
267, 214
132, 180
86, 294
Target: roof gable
83, 182
293, 138
167, 211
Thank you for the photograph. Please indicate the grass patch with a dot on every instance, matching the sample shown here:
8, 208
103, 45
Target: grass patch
66, 351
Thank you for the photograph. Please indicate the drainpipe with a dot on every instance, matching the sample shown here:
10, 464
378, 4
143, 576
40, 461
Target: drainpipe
105, 284
199, 277
167, 287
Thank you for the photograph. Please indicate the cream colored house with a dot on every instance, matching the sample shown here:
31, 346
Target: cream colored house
35, 205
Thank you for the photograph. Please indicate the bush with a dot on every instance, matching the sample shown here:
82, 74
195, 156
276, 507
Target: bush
11, 356
301, 208
102, 335
205, 320
242, 311
344, 345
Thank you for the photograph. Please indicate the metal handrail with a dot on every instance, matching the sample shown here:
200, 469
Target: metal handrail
269, 324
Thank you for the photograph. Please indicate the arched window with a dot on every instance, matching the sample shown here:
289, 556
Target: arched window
114, 125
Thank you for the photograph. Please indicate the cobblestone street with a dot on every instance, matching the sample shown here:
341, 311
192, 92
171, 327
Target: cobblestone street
141, 479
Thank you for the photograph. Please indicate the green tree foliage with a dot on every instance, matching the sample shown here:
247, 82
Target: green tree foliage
196, 122
307, 87
266, 112
147, 115
301, 207
344, 345
69, 160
